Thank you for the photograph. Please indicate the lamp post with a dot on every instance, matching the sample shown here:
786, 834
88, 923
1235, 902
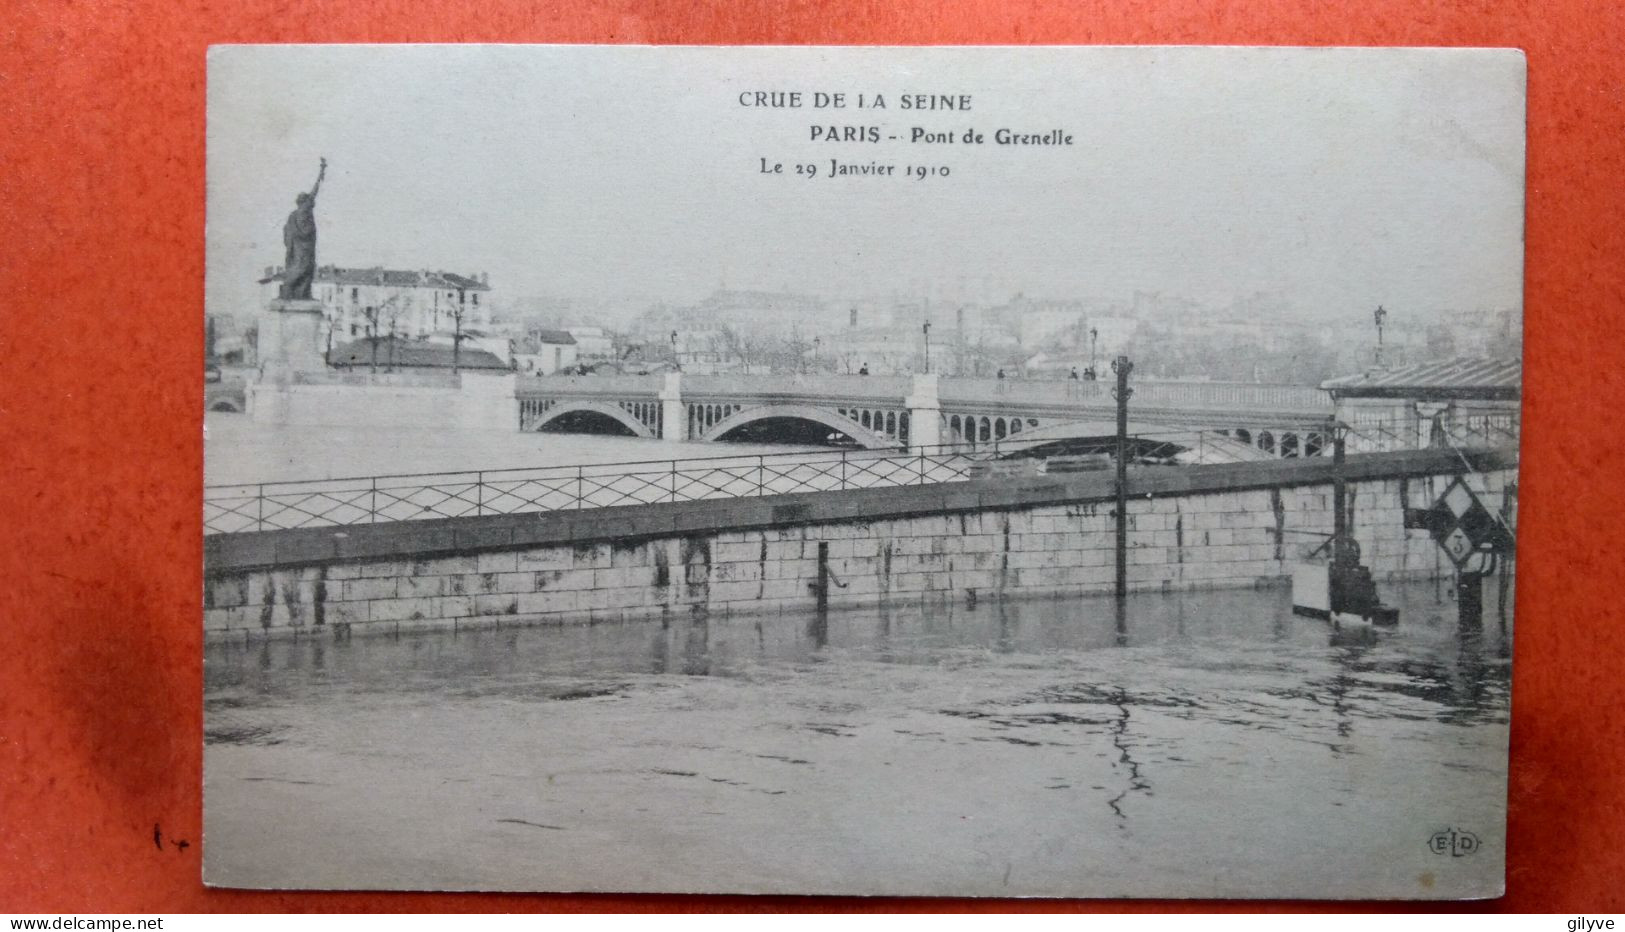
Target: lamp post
816, 344
675, 362
1094, 335
1121, 367
927, 329
391, 367
1379, 315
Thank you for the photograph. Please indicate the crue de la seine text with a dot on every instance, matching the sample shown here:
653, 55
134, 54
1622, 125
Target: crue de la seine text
832, 131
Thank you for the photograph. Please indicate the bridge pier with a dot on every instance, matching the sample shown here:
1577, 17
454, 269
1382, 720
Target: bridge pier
924, 413
673, 414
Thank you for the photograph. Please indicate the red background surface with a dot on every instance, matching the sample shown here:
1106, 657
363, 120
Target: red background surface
101, 299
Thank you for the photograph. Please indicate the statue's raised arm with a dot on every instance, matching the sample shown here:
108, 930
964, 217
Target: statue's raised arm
320, 174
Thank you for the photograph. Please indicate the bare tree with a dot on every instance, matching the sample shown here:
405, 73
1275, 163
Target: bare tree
373, 314
394, 317
743, 345
370, 314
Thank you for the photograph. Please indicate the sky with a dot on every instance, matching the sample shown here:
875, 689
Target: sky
1339, 179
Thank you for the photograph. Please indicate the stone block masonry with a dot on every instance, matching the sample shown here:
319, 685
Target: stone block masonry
1193, 527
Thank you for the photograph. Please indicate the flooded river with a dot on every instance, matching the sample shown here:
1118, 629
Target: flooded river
1208, 744
239, 450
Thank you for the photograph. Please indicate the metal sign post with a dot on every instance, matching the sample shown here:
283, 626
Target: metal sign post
1121, 367
1474, 539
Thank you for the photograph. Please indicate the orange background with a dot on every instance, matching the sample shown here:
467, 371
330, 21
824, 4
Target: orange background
101, 299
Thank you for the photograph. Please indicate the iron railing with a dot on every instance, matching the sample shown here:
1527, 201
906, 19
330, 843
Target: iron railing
1469, 430
414, 496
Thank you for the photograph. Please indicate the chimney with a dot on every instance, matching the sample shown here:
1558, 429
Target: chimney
485, 279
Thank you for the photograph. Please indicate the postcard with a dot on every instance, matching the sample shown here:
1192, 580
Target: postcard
1065, 472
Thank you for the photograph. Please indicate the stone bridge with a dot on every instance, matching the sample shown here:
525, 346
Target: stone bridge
890, 412
230, 394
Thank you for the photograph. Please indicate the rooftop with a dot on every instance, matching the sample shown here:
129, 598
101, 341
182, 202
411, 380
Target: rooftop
534, 339
411, 354
1452, 378
378, 275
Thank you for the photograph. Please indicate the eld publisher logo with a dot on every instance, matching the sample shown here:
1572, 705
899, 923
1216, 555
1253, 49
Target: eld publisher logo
1455, 843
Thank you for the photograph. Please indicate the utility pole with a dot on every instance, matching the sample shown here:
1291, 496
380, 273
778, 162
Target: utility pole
1121, 367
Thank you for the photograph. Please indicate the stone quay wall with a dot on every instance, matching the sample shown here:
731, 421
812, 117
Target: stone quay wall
1212, 526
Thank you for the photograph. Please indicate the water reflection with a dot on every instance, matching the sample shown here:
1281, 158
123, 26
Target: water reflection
1136, 782
1151, 713
1456, 675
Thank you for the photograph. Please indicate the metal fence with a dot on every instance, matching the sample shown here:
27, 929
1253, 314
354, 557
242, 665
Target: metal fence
1463, 431
415, 496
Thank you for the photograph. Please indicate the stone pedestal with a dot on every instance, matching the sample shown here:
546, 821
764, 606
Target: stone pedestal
673, 414
290, 337
924, 413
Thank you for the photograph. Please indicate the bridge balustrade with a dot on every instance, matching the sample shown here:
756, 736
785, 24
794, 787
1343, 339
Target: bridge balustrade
1197, 395
630, 386
817, 385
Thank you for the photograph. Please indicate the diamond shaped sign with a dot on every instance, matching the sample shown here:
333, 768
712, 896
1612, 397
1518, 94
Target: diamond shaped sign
1458, 545
1462, 526
1458, 498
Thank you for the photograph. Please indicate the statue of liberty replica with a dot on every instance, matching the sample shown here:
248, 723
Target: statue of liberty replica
290, 328
299, 236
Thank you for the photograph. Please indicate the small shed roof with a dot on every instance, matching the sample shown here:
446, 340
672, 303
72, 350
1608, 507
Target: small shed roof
1464, 377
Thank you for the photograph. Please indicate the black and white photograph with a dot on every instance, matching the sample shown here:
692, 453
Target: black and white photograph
1007, 472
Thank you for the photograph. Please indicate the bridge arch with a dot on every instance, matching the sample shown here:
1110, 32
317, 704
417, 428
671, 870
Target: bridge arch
864, 436
612, 411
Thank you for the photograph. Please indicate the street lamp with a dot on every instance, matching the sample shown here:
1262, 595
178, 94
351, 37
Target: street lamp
927, 347
1379, 315
1094, 335
816, 344
391, 344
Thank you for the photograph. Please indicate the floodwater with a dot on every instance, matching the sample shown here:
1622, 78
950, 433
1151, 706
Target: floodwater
239, 450
1204, 744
